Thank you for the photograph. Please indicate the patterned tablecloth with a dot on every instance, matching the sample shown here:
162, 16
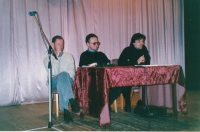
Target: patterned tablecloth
91, 85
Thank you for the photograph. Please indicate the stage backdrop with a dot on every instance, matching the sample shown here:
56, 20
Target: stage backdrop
23, 76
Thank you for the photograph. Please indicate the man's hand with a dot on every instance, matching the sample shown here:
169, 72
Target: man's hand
141, 59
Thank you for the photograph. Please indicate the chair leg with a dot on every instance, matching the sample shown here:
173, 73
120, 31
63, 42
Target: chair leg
115, 106
132, 92
122, 101
57, 109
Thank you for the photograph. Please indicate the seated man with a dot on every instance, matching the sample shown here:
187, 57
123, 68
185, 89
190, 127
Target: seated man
63, 71
91, 55
135, 54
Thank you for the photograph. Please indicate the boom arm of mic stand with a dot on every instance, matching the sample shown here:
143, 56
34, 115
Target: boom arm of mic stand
42, 33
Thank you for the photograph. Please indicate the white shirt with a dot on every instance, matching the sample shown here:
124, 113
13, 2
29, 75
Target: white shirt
65, 63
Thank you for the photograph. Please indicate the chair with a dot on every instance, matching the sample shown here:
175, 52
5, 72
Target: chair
55, 93
55, 96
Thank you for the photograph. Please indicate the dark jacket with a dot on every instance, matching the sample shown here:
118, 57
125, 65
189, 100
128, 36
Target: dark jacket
88, 57
130, 55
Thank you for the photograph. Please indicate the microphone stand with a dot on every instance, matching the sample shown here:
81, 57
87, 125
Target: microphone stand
50, 51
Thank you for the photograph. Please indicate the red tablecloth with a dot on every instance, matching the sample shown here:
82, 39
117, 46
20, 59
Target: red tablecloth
91, 85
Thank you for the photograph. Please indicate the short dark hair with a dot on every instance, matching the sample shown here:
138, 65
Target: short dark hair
87, 39
137, 36
56, 37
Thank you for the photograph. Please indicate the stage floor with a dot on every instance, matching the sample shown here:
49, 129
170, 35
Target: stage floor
35, 117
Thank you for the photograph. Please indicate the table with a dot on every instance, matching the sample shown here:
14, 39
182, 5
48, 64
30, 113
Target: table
91, 85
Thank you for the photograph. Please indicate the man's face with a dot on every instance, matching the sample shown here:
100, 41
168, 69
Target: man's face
93, 43
139, 44
59, 45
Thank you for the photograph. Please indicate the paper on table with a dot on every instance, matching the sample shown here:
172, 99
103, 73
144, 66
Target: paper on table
90, 65
156, 65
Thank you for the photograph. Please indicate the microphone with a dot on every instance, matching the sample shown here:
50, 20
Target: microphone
32, 13
142, 54
51, 51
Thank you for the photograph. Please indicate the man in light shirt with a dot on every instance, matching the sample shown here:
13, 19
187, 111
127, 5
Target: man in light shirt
63, 71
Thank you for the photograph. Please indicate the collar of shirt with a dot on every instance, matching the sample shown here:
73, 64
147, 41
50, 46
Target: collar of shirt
60, 54
89, 50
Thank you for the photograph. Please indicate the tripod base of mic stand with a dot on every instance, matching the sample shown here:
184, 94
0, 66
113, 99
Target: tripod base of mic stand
50, 125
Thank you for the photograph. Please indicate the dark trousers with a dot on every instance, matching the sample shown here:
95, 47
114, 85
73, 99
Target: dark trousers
115, 92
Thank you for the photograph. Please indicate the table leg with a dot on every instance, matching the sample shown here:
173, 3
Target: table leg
107, 126
143, 95
174, 101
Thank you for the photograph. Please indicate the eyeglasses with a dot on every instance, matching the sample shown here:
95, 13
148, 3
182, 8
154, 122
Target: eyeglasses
98, 43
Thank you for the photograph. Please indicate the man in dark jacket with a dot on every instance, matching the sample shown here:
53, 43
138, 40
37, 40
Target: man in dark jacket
91, 55
135, 54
